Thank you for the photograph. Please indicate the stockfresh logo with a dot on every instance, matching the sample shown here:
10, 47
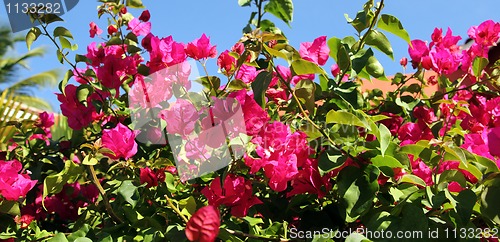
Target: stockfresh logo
19, 11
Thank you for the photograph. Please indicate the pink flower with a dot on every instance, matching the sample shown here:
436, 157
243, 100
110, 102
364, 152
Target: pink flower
443, 61
145, 16
14, 184
393, 123
455, 187
255, 117
204, 225
403, 62
238, 48
246, 73
181, 117
309, 180
494, 141
420, 169
139, 28
120, 140
45, 120
226, 63
486, 34
335, 70
201, 48
164, 52
79, 115
236, 193
151, 177
417, 51
424, 114
316, 52
94, 30
410, 133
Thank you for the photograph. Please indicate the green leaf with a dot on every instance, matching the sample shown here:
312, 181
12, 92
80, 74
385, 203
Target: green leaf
188, 206
53, 184
64, 81
330, 160
129, 192
89, 161
392, 25
362, 21
60, 237
82, 92
32, 36
388, 161
61, 31
253, 221
415, 180
344, 61
134, 3
489, 203
375, 69
344, 117
83, 239
465, 204
282, 9
334, 45
211, 84
357, 189
380, 42
275, 53
9, 207
244, 3
304, 90
237, 85
478, 65
260, 85
384, 138
301, 67
65, 44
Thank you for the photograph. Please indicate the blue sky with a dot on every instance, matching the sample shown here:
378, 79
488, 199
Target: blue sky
222, 20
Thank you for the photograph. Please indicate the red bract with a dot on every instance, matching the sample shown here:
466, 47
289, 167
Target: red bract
145, 16
79, 115
236, 193
393, 123
403, 62
226, 63
201, 48
424, 114
316, 51
255, 117
112, 29
120, 140
204, 225
94, 30
152, 177
14, 184
64, 204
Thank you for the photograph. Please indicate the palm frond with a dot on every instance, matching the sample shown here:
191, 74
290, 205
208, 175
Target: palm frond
34, 102
11, 110
40, 80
